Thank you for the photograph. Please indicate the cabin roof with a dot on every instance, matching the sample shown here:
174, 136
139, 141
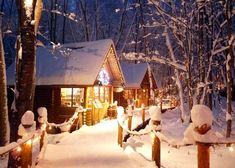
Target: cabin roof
134, 74
74, 64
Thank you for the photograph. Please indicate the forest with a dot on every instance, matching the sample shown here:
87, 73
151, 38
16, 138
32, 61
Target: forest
189, 44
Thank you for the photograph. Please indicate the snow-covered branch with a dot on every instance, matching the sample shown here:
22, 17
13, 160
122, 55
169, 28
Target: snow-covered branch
153, 58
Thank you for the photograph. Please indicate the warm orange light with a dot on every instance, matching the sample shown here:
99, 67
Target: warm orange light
18, 149
29, 142
66, 91
230, 149
152, 135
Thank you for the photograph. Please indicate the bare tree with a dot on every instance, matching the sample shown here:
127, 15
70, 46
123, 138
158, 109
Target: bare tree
83, 6
29, 17
4, 123
229, 67
64, 20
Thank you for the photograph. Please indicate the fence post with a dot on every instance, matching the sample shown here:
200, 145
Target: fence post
203, 155
42, 139
161, 105
155, 122
129, 122
80, 119
26, 154
120, 130
27, 126
130, 114
156, 150
143, 115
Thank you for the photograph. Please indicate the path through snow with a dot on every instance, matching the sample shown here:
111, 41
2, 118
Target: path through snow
94, 146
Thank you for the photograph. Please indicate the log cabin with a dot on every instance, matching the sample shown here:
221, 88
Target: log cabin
76, 74
137, 85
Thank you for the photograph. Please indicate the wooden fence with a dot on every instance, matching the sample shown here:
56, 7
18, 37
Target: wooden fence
203, 152
23, 148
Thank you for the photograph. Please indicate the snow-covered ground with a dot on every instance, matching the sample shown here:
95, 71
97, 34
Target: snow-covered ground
96, 146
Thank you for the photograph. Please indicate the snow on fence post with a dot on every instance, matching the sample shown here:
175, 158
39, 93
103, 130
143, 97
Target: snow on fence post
155, 123
130, 114
201, 116
42, 119
143, 113
27, 126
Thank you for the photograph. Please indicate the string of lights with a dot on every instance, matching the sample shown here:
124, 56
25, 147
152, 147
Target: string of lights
65, 124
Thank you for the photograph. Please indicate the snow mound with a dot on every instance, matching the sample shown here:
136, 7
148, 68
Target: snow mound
42, 111
155, 113
27, 118
22, 131
200, 115
120, 110
129, 111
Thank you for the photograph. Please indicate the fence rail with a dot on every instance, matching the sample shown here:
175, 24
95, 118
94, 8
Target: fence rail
14, 145
24, 147
203, 153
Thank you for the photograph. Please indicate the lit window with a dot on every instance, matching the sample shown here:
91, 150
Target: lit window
72, 97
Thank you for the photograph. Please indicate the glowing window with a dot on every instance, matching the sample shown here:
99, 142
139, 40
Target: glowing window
72, 97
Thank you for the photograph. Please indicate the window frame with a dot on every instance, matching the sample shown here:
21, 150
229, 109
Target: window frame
72, 97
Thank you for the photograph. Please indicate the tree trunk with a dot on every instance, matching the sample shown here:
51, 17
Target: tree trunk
55, 22
2, 5
4, 122
142, 22
25, 85
201, 70
64, 20
229, 68
84, 12
188, 53
52, 16
177, 74
121, 24
96, 20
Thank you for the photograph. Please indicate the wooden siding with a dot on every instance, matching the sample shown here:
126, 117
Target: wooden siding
50, 97
44, 98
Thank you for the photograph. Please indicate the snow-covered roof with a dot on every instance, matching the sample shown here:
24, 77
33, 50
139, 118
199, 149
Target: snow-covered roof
73, 64
158, 79
134, 74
